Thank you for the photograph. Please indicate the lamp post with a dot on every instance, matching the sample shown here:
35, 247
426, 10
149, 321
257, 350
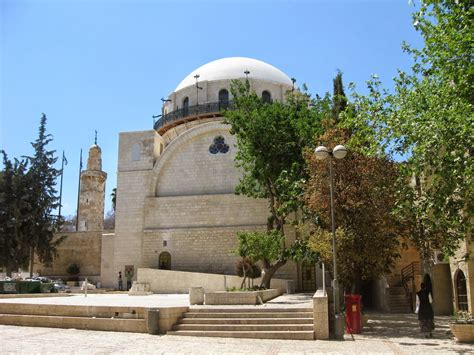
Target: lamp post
197, 91
321, 153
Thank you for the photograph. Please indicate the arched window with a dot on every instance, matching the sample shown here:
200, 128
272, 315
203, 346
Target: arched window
223, 99
461, 291
266, 97
164, 261
185, 106
136, 152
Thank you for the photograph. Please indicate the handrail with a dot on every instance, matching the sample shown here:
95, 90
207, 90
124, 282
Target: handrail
408, 274
208, 107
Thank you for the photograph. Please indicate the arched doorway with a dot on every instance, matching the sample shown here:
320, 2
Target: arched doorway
164, 261
308, 277
461, 291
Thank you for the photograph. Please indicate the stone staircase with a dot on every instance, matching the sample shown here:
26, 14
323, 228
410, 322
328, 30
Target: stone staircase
259, 323
121, 319
397, 300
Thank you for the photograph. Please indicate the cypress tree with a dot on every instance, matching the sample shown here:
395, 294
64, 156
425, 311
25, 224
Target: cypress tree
339, 97
42, 176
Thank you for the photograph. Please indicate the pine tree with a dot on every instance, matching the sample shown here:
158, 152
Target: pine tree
42, 175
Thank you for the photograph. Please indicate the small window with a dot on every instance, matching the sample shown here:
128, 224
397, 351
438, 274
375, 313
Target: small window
136, 152
461, 290
219, 146
266, 97
223, 99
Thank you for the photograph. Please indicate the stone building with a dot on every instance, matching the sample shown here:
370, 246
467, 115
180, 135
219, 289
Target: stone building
176, 207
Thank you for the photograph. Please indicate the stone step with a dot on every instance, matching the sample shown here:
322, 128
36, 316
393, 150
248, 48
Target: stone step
274, 314
293, 335
247, 310
73, 311
246, 321
109, 324
244, 327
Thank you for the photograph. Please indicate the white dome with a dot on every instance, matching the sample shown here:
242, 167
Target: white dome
233, 68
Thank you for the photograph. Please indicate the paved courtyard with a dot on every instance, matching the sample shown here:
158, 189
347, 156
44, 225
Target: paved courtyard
384, 334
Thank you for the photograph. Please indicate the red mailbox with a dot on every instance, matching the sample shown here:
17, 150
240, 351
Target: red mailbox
353, 314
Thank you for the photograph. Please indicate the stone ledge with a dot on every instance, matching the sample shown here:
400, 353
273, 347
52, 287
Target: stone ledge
240, 297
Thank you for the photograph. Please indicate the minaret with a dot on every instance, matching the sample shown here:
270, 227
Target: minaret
91, 197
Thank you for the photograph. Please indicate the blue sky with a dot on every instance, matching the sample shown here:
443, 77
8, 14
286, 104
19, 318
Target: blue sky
104, 64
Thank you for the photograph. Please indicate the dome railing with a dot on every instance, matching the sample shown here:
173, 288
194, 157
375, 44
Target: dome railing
196, 110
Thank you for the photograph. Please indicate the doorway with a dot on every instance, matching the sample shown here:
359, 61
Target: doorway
308, 277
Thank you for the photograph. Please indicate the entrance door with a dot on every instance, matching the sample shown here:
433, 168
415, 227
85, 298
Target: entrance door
308, 273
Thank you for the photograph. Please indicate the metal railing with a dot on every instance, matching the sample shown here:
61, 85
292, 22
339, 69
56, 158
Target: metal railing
408, 279
196, 110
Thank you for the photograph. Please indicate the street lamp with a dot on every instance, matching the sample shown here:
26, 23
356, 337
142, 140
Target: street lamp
321, 153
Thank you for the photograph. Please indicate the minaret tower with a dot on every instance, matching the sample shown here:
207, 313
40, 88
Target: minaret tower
92, 192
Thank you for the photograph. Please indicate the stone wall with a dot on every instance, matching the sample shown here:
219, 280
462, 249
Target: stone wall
81, 248
170, 281
457, 264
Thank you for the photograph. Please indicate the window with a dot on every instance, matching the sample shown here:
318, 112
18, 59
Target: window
266, 97
461, 290
185, 106
219, 146
136, 152
223, 99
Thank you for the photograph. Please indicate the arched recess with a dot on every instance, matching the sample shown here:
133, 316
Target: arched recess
172, 152
185, 106
223, 99
461, 291
164, 261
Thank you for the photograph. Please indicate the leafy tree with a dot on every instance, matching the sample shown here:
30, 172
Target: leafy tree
15, 209
113, 195
365, 193
42, 177
429, 121
270, 139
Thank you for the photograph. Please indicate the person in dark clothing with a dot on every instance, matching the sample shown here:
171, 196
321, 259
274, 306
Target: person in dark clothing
120, 281
425, 311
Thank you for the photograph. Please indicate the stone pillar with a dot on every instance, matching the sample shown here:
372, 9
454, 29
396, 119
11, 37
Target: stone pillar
320, 315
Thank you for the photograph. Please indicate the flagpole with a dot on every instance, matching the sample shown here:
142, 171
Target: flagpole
61, 186
78, 192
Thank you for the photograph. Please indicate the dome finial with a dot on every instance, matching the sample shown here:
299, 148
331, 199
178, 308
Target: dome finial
95, 138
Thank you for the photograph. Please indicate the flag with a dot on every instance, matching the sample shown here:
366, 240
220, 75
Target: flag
64, 159
80, 162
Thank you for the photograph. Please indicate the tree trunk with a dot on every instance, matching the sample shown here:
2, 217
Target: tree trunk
268, 272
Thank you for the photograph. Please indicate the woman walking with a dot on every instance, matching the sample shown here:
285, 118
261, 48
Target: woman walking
425, 311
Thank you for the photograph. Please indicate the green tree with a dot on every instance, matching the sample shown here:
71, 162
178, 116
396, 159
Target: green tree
270, 139
15, 213
429, 121
339, 99
42, 176
368, 236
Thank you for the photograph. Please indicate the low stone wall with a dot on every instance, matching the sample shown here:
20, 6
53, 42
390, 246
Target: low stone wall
170, 281
246, 297
321, 315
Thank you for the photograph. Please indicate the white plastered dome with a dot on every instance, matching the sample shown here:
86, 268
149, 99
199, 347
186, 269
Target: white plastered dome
234, 68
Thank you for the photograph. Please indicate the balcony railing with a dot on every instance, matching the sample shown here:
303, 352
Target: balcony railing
197, 110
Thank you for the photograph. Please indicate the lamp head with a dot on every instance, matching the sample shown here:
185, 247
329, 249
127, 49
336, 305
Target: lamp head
321, 153
339, 151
